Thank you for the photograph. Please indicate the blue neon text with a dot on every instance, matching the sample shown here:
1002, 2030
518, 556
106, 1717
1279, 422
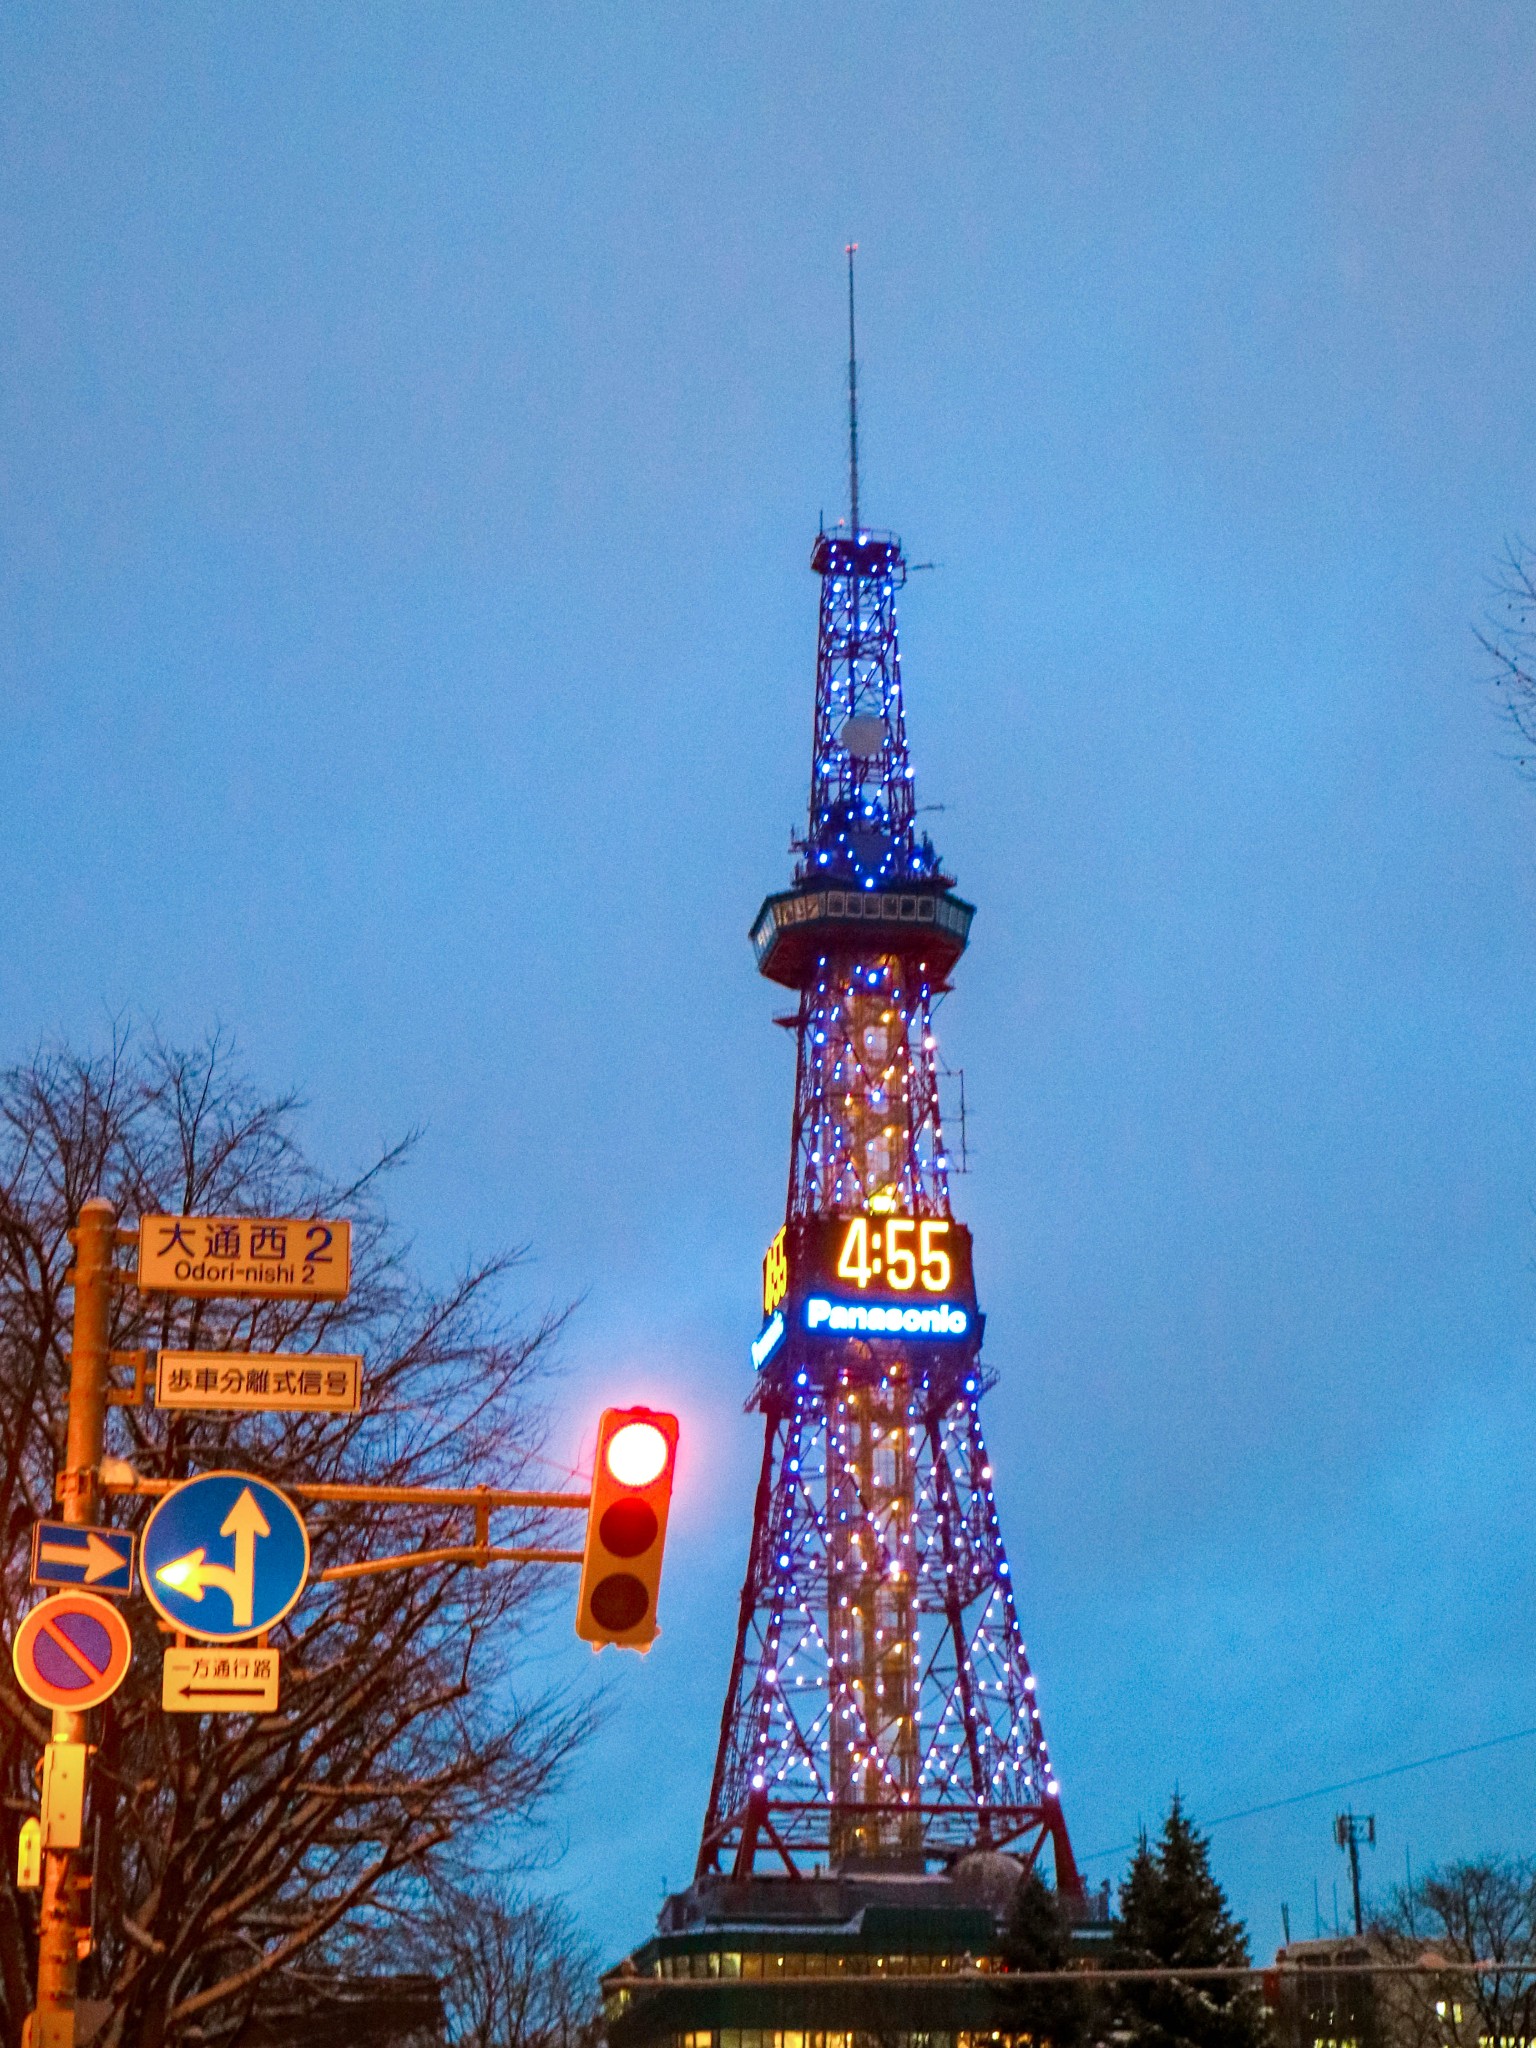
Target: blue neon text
941, 1319
766, 1342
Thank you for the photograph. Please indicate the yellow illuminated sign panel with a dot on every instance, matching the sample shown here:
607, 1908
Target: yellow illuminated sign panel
775, 1272
330, 1382
211, 1679
275, 1258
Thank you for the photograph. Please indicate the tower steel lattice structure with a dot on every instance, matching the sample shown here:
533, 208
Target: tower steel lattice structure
881, 1709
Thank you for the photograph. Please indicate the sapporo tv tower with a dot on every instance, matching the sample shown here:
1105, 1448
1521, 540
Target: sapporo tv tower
881, 1748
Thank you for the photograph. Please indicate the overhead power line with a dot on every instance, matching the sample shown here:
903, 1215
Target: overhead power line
1420, 1763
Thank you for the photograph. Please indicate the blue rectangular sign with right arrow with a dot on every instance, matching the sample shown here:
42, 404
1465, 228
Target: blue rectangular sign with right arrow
66, 1554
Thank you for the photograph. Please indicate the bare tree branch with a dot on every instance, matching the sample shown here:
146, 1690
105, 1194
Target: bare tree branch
232, 1847
1508, 637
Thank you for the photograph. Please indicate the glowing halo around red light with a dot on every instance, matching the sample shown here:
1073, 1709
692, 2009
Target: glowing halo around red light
637, 1454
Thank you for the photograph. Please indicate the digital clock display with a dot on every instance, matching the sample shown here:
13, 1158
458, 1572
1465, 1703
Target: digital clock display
897, 1254
907, 1259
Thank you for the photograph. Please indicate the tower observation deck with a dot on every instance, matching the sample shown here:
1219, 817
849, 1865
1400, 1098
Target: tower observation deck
881, 1712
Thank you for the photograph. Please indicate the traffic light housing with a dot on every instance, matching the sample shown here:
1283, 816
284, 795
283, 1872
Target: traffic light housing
626, 1528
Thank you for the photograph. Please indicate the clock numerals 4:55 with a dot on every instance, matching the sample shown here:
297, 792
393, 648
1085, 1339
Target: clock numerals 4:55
904, 1264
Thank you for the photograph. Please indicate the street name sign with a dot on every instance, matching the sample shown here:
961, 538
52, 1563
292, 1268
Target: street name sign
260, 1258
224, 1556
211, 1681
66, 1554
72, 1650
327, 1381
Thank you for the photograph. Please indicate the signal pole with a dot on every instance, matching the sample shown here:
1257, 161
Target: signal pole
1349, 1831
61, 1924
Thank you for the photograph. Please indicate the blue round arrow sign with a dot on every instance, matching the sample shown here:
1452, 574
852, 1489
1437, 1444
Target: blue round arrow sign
224, 1556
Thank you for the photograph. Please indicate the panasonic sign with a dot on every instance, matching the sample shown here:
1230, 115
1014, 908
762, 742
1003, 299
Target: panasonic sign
938, 1319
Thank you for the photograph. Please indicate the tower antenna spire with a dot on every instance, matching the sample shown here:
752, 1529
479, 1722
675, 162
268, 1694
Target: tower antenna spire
853, 404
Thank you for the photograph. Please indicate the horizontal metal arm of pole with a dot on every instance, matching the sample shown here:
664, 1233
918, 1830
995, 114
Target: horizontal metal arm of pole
472, 1553
388, 1496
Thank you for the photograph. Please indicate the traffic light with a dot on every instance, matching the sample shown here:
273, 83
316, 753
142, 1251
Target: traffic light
626, 1528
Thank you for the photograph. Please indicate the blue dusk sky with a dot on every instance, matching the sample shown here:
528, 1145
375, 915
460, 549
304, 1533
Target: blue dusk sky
413, 425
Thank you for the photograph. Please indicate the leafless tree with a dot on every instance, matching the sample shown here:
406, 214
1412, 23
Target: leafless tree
1508, 637
232, 1849
519, 1973
1463, 1913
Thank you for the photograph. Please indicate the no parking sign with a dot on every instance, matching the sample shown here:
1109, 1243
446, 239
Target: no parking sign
72, 1651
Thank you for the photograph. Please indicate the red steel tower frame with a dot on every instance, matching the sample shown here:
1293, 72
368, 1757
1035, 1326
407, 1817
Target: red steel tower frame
881, 1708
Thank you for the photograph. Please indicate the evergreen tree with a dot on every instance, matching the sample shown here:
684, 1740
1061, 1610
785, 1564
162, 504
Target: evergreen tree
1038, 1938
1173, 1913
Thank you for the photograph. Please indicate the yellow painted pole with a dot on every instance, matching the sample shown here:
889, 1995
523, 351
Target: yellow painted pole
52, 2025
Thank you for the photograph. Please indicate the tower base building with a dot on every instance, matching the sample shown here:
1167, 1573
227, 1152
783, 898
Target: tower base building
835, 1961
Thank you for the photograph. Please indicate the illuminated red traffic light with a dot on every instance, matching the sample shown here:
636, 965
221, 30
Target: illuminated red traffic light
638, 1452
626, 1527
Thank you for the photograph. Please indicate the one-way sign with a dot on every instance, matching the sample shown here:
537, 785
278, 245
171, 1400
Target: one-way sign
66, 1554
213, 1681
